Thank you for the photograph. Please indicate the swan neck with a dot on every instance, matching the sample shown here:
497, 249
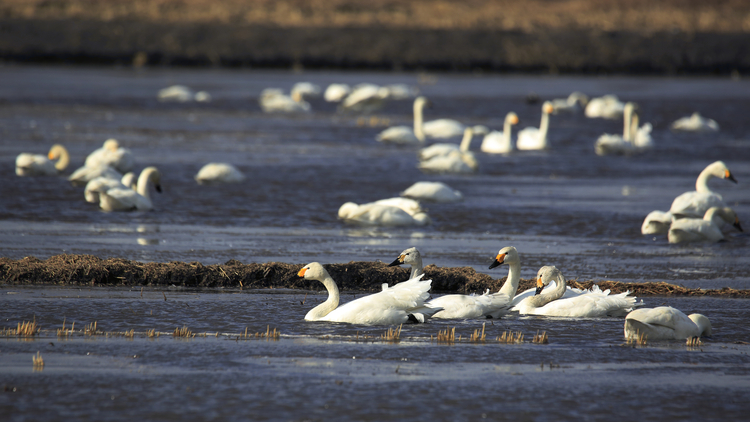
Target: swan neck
627, 124
506, 132
514, 276
701, 184
143, 181
330, 304
416, 268
466, 141
418, 120
64, 158
544, 126
547, 297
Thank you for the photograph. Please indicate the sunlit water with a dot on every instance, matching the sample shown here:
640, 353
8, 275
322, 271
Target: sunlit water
564, 206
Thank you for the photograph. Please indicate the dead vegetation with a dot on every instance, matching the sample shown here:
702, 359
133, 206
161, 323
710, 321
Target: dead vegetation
23, 329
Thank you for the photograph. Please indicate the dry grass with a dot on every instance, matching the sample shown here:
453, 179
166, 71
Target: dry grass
477, 336
639, 339
509, 337
446, 337
152, 333
392, 336
268, 335
64, 332
183, 332
23, 329
694, 342
540, 338
37, 361
91, 329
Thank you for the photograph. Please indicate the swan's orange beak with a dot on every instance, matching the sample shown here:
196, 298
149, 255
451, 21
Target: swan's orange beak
499, 260
539, 286
548, 108
51, 156
301, 272
728, 175
514, 120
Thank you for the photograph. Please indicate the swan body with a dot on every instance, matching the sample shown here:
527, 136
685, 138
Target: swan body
696, 203
126, 199
706, 229
401, 91
84, 174
273, 100
607, 107
336, 92
182, 94
216, 173
657, 222
609, 144
411, 206
443, 128
591, 304
380, 215
102, 184
665, 323
113, 155
443, 149
500, 142
56, 161
401, 303
455, 306
432, 191
454, 162
532, 138
405, 134
305, 90
365, 98
695, 123
641, 135
572, 104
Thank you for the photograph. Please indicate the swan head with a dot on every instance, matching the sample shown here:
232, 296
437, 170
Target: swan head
547, 107
506, 255
511, 118
111, 145
545, 275
408, 256
346, 210
313, 271
702, 322
720, 170
422, 102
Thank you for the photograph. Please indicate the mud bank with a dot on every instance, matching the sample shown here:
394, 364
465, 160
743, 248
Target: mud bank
126, 42
76, 270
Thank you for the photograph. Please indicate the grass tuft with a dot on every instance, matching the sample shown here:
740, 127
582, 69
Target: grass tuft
477, 336
183, 332
639, 339
509, 337
392, 336
540, 338
38, 361
447, 336
694, 342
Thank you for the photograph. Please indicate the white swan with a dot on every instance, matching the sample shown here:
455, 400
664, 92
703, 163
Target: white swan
305, 90
401, 91
696, 203
406, 134
443, 128
57, 160
113, 155
182, 94
695, 123
273, 100
641, 135
125, 199
706, 229
656, 222
607, 107
591, 304
365, 98
336, 92
455, 160
500, 142
84, 174
572, 104
442, 149
613, 144
456, 306
402, 303
103, 184
532, 138
380, 215
665, 323
411, 206
432, 191
216, 173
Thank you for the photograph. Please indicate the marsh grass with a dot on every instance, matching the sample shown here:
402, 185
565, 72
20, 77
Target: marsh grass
38, 362
446, 337
639, 339
509, 337
23, 329
183, 332
694, 342
268, 335
540, 338
392, 336
477, 336
91, 329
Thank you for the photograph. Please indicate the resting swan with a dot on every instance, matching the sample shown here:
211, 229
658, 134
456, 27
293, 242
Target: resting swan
607, 107
443, 149
695, 123
404, 134
216, 173
273, 100
125, 199
432, 191
613, 144
706, 229
103, 184
532, 138
500, 142
591, 304
411, 206
572, 104
657, 222
373, 214
113, 155
459, 160
696, 203
39, 165
665, 323
365, 98
402, 303
456, 306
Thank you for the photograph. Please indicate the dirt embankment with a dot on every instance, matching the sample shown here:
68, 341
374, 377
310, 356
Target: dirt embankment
668, 36
362, 276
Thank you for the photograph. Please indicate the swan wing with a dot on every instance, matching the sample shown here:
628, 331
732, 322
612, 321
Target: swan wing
398, 135
496, 143
436, 150
695, 204
443, 128
451, 163
693, 230
432, 191
34, 165
219, 173
469, 306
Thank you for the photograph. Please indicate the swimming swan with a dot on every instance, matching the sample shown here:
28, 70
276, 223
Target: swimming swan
401, 303
39, 165
500, 142
404, 134
125, 199
456, 160
695, 123
443, 149
572, 104
216, 173
373, 214
613, 144
696, 203
706, 229
532, 138
607, 107
665, 323
591, 304
432, 191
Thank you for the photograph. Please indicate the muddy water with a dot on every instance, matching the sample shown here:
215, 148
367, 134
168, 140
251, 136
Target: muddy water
564, 206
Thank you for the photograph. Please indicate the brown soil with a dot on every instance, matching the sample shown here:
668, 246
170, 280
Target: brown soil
361, 276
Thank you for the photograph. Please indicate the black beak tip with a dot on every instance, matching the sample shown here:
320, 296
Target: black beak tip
730, 177
738, 226
495, 263
395, 263
158, 188
538, 290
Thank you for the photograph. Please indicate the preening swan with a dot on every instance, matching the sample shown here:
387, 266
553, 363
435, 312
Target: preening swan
56, 161
591, 304
443, 149
532, 138
365, 98
373, 214
432, 191
456, 306
113, 155
665, 323
656, 222
103, 184
273, 100
216, 173
695, 123
696, 203
125, 199
500, 142
336, 92
572, 104
706, 229
607, 107
402, 303
405, 134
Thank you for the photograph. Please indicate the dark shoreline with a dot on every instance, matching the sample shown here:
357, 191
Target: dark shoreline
88, 270
123, 42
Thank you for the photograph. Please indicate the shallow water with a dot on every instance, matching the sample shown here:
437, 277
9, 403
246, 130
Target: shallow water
564, 206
